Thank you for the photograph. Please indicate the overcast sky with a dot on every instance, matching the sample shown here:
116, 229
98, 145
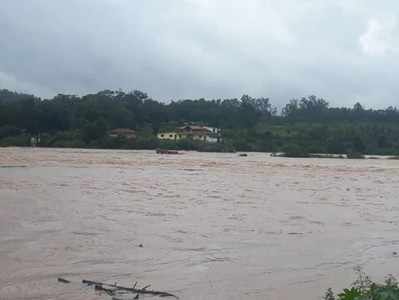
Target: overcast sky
343, 50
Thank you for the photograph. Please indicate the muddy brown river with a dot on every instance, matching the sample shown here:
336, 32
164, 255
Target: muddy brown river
212, 226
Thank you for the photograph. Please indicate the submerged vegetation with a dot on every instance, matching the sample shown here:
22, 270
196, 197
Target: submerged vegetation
304, 126
364, 289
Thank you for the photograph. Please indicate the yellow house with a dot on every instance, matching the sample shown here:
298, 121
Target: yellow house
171, 135
198, 133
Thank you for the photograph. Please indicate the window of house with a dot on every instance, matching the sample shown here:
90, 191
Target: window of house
170, 135
162, 135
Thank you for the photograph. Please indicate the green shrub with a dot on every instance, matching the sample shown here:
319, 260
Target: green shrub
18, 141
294, 150
8, 130
364, 289
355, 155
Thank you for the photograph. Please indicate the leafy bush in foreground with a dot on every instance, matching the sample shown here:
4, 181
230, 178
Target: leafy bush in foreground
364, 289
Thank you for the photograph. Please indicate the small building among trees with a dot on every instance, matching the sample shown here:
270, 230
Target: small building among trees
194, 132
126, 133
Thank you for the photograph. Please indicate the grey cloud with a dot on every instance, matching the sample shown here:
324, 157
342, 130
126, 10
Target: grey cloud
344, 50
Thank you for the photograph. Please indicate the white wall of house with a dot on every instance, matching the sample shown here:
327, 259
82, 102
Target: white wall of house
213, 129
211, 139
170, 136
199, 137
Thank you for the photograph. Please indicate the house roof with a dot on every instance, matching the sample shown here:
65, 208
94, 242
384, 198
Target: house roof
122, 131
194, 129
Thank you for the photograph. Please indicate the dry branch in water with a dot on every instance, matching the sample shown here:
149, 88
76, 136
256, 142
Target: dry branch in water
112, 288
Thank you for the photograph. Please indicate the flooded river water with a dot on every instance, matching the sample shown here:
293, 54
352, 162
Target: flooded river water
212, 226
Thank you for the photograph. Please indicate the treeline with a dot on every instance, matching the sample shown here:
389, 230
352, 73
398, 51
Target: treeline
118, 110
249, 124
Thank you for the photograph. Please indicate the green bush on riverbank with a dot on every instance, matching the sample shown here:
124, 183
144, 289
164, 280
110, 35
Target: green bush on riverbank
364, 289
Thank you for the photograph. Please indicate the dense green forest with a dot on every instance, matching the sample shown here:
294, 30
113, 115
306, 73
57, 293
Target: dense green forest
305, 125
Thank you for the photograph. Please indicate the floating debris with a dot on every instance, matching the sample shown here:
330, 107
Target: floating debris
116, 291
166, 151
63, 280
113, 289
